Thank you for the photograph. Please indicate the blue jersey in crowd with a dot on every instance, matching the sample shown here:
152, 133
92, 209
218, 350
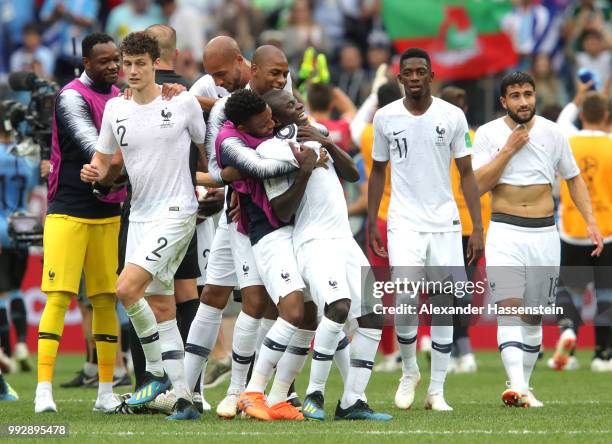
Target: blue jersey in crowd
18, 175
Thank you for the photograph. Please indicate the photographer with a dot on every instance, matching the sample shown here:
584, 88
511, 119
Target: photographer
80, 230
18, 175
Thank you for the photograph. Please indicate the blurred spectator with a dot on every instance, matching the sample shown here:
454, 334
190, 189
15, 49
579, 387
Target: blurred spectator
239, 20
33, 56
353, 79
379, 51
549, 89
63, 21
595, 56
301, 32
132, 16
323, 99
14, 15
526, 24
587, 15
189, 25
328, 15
359, 18
186, 65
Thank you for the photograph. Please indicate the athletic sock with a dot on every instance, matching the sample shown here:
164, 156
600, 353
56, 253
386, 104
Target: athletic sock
464, 347
290, 365
342, 356
441, 344
145, 325
509, 340
19, 315
243, 350
185, 314
324, 348
532, 340
264, 328
406, 338
50, 331
104, 329
200, 341
273, 346
363, 351
5, 336
138, 358
173, 355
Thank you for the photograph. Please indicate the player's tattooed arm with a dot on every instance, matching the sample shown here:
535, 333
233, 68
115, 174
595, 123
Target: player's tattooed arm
344, 165
285, 205
235, 153
72, 113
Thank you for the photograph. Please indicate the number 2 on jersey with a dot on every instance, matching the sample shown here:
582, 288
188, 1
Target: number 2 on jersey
400, 147
121, 133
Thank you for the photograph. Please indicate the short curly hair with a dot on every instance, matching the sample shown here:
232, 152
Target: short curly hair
137, 43
242, 105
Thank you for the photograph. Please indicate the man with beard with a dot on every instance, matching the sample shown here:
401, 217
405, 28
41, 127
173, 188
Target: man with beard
419, 135
77, 218
517, 157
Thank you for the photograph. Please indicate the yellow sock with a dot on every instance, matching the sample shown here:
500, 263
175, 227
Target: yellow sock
50, 331
105, 330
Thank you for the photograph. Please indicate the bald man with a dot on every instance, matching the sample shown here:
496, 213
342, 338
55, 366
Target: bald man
231, 262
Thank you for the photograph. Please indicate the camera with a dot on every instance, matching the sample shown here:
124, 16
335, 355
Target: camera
33, 138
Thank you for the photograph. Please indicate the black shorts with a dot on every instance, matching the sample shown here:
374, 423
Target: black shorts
575, 259
13, 264
189, 268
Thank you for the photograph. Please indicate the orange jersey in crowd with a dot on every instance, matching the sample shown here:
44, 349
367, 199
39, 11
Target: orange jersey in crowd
464, 213
367, 140
593, 153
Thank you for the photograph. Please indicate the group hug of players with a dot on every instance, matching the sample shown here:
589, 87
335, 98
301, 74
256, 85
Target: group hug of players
283, 236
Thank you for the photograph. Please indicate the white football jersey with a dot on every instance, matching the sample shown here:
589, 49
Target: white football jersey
547, 152
205, 87
155, 142
322, 213
420, 149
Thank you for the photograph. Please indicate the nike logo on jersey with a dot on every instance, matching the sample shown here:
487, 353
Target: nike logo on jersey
395, 133
119, 121
149, 259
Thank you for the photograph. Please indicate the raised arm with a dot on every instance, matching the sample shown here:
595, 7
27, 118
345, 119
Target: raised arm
235, 153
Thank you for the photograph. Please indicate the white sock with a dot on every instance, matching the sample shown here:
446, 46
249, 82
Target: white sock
243, 350
290, 365
264, 328
324, 348
441, 345
406, 338
44, 386
145, 325
105, 387
274, 345
173, 356
342, 356
532, 340
200, 341
509, 340
363, 351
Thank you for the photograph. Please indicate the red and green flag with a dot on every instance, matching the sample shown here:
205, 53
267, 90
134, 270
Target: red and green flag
463, 38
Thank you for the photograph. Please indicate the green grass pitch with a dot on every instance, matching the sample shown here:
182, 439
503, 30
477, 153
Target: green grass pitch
578, 409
